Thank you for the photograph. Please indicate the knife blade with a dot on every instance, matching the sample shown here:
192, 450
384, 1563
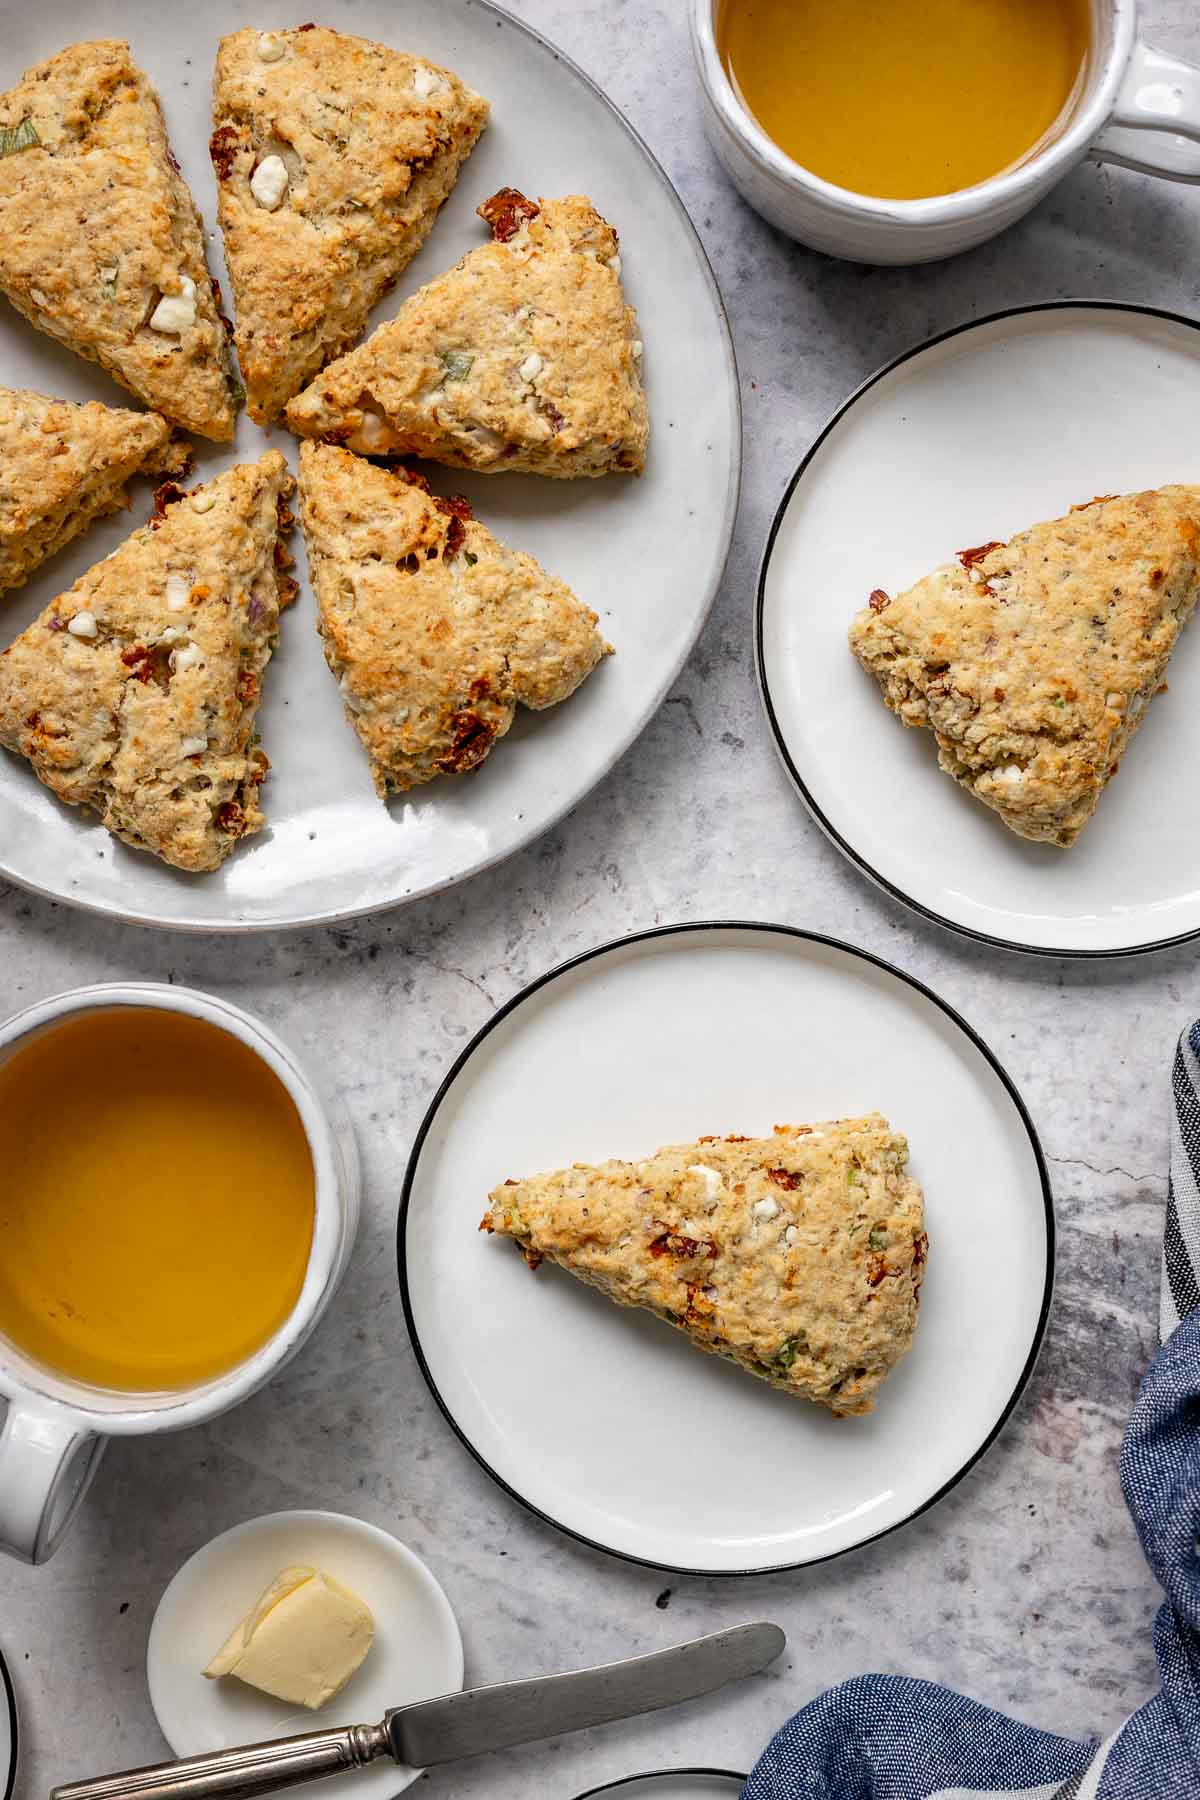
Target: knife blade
456, 1725
518, 1712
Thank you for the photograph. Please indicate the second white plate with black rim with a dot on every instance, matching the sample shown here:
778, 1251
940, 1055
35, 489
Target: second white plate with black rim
672, 1784
8, 1733
605, 1421
973, 436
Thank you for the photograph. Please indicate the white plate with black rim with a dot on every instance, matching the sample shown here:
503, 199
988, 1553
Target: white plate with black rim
974, 435
646, 553
672, 1784
8, 1733
604, 1420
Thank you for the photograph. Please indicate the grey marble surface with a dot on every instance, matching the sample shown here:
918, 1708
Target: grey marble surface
1025, 1587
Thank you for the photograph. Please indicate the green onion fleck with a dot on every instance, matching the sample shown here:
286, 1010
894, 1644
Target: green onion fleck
855, 1175
18, 137
878, 1240
457, 364
470, 558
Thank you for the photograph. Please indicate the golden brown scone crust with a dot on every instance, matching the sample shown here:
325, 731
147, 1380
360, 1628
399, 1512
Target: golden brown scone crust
97, 225
144, 712
372, 141
799, 1256
434, 629
62, 466
1033, 662
523, 356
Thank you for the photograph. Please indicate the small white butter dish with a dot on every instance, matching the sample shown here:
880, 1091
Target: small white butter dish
417, 1651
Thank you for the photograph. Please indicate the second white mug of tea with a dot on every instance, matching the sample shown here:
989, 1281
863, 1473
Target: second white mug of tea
1133, 105
58, 1418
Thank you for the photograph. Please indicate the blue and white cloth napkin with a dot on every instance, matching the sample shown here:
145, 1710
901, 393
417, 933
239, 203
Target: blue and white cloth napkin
884, 1738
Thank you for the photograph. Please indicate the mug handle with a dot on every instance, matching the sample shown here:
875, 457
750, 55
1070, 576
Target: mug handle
1155, 125
46, 1465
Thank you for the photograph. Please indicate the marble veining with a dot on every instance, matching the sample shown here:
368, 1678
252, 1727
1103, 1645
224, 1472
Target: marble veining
1026, 1586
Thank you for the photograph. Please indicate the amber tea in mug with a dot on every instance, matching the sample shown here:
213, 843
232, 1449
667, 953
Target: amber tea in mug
904, 99
157, 1200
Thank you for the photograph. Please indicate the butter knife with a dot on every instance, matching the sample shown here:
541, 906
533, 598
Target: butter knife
463, 1724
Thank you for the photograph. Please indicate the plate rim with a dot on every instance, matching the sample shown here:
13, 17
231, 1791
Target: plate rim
8, 1693
826, 825
766, 928
227, 927
611, 1787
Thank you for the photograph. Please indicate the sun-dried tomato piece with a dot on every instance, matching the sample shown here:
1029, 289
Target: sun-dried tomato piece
785, 1178
149, 663
1096, 500
674, 1243
505, 211
456, 508
165, 495
472, 740
230, 818
969, 558
222, 147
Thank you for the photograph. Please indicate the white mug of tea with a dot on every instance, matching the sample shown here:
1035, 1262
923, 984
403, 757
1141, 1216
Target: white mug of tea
908, 130
177, 1206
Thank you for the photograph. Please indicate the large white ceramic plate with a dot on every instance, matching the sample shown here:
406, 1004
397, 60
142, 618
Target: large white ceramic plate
646, 554
8, 1733
416, 1654
975, 435
607, 1422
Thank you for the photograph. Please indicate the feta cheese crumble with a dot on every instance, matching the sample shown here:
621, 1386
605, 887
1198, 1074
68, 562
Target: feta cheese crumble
269, 182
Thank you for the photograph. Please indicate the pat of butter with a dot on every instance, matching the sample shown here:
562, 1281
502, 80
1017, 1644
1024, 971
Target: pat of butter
301, 1641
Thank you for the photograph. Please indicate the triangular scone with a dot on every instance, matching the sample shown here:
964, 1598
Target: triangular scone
332, 156
1033, 662
799, 1256
135, 692
523, 356
100, 241
433, 628
62, 465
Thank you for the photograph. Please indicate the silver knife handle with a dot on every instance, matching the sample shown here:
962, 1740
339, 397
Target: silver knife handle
240, 1774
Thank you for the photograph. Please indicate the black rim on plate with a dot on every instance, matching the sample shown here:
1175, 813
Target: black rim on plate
826, 824
230, 927
9, 1697
612, 1787
766, 929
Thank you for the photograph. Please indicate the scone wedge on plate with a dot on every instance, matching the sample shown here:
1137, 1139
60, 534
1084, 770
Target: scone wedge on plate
63, 465
332, 156
100, 241
524, 356
799, 1256
435, 630
134, 693
1033, 662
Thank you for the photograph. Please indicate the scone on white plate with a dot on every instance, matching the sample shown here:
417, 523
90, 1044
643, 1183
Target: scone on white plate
63, 465
524, 356
799, 1256
134, 694
1033, 662
332, 158
434, 629
101, 245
